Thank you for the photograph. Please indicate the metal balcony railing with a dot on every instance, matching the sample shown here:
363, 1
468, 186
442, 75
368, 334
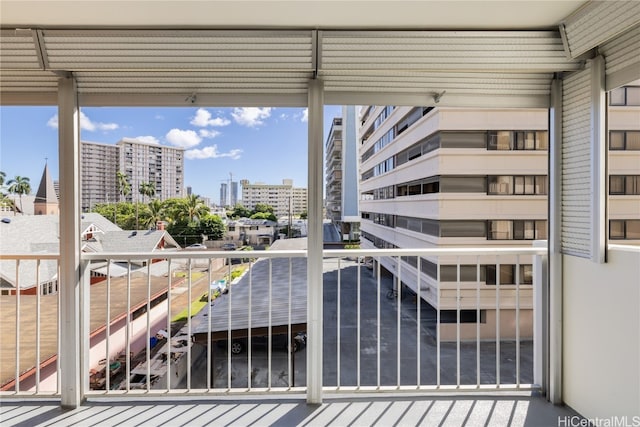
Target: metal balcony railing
224, 322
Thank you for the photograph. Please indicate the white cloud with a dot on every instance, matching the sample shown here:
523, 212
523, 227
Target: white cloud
148, 139
206, 133
305, 115
159, 117
85, 124
203, 119
211, 153
183, 138
251, 116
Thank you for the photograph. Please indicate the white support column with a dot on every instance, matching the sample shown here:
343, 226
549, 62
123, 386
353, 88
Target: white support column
69, 281
598, 160
552, 363
315, 243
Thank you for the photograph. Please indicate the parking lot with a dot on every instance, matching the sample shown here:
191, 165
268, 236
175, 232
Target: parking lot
371, 348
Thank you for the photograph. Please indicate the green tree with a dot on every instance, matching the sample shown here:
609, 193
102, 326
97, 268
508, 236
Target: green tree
303, 215
211, 226
2, 178
124, 188
239, 211
19, 185
264, 215
147, 189
262, 207
192, 208
154, 214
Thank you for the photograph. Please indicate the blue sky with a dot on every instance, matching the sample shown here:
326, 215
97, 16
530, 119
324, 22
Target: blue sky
258, 144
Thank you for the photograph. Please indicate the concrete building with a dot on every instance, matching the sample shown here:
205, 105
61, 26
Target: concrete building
341, 163
100, 162
624, 164
284, 198
421, 170
157, 164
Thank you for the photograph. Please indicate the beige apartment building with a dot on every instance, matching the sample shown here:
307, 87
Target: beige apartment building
284, 198
456, 177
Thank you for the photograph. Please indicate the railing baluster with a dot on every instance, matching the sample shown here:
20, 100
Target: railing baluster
289, 332
439, 291
518, 321
378, 322
358, 322
148, 336
59, 340
128, 325
169, 334
398, 318
38, 302
209, 281
458, 322
418, 321
107, 337
18, 291
249, 349
189, 341
478, 321
269, 342
338, 322
498, 321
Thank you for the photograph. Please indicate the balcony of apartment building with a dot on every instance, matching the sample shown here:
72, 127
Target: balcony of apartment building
313, 336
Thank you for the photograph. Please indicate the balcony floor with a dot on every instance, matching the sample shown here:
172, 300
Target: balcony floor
288, 410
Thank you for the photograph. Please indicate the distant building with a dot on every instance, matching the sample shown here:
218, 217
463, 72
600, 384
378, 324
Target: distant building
224, 188
99, 164
284, 198
229, 195
233, 196
46, 201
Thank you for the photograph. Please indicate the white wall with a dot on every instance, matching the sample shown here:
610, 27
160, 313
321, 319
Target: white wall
601, 330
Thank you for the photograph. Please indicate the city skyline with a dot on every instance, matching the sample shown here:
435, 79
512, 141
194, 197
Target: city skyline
252, 143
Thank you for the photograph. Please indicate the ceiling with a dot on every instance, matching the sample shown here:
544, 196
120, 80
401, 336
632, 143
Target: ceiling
499, 53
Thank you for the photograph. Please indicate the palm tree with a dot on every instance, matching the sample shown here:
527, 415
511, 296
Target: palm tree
156, 213
147, 189
19, 185
124, 188
2, 178
192, 207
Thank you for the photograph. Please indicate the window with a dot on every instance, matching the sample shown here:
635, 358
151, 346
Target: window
624, 140
517, 185
508, 274
517, 140
517, 229
629, 95
624, 185
624, 229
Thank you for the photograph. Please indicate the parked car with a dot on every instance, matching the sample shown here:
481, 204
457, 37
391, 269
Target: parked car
196, 246
229, 247
279, 341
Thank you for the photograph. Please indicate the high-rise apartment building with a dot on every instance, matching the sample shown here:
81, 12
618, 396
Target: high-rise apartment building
284, 198
100, 162
141, 162
224, 188
157, 164
456, 177
229, 194
341, 163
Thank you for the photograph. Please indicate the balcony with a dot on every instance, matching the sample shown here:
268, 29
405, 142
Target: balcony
379, 334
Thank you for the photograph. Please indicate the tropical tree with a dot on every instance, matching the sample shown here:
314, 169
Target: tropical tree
239, 211
124, 188
2, 178
154, 214
192, 207
19, 185
147, 189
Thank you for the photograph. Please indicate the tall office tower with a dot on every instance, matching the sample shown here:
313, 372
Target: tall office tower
284, 198
157, 164
451, 177
223, 194
100, 162
233, 196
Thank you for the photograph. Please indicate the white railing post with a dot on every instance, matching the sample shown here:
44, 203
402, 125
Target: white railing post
540, 314
315, 242
69, 280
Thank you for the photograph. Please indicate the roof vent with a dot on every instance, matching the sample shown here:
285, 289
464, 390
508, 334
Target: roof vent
6, 220
133, 233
